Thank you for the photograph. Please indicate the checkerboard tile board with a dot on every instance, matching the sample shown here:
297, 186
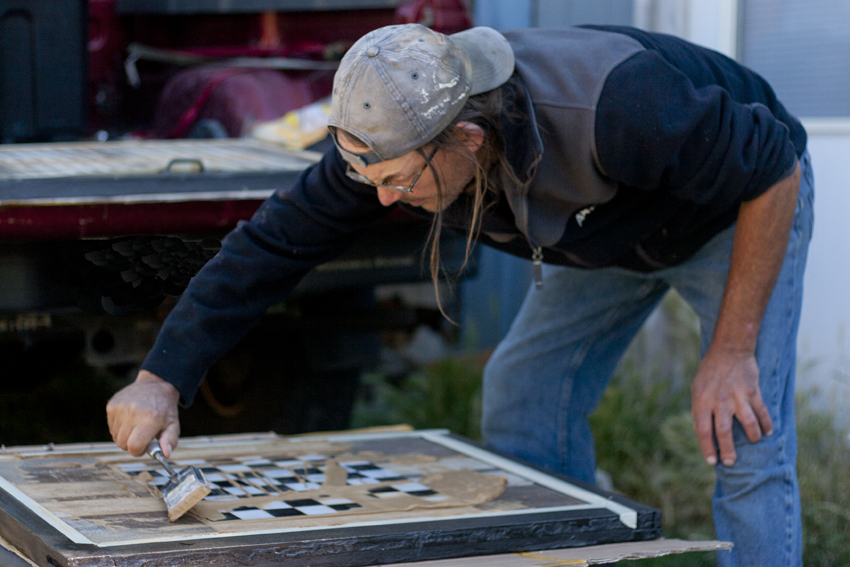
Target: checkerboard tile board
246, 477
387, 497
410, 488
283, 508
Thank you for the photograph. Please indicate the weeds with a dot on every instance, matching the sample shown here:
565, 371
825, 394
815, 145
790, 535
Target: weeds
823, 467
444, 395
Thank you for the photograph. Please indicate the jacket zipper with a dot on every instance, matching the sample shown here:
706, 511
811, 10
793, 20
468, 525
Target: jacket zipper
537, 261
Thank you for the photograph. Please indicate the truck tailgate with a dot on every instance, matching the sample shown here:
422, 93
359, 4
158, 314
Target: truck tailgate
99, 189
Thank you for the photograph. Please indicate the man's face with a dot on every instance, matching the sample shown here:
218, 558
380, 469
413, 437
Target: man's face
455, 171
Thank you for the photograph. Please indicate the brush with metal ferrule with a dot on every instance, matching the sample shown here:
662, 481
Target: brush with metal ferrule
185, 488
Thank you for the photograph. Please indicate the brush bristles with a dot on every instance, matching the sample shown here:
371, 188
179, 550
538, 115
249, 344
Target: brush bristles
191, 487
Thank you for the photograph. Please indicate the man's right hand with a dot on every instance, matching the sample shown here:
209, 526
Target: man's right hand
145, 409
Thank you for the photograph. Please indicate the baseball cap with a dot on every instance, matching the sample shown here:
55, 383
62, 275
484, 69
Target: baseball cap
399, 86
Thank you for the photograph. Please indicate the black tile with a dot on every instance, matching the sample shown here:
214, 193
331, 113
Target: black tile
369, 467
281, 512
304, 502
342, 507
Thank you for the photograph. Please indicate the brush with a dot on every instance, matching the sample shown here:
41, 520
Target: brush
185, 488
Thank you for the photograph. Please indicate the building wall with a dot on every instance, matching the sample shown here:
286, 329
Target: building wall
824, 336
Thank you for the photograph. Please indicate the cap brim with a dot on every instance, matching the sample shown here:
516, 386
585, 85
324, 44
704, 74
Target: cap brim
490, 55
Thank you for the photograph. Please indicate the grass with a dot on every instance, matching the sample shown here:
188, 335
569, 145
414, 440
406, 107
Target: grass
645, 441
823, 467
444, 395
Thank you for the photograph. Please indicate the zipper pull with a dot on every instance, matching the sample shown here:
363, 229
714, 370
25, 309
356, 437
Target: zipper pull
537, 260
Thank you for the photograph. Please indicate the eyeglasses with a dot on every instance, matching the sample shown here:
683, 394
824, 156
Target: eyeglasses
352, 174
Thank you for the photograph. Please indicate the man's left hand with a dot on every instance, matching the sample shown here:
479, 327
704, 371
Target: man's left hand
726, 386
727, 382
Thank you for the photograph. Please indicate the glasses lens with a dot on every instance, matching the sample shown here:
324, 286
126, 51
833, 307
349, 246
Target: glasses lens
351, 174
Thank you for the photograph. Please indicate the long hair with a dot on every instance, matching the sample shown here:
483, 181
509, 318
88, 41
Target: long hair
491, 169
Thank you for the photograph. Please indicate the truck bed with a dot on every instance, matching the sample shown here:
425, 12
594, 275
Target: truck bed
101, 189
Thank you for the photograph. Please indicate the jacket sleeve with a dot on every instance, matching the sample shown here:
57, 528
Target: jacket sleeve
259, 264
656, 131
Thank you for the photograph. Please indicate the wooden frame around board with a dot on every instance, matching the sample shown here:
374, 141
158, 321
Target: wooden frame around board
404, 496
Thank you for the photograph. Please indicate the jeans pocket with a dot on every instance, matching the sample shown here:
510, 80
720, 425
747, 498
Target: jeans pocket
804, 213
808, 174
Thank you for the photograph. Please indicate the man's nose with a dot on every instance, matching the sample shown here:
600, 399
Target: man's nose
387, 196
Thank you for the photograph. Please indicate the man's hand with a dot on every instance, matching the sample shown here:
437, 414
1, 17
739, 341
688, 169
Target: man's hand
726, 386
141, 411
727, 380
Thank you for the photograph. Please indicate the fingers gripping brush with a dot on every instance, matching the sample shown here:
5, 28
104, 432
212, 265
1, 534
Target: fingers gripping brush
184, 489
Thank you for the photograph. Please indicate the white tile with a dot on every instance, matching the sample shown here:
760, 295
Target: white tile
277, 505
387, 494
191, 462
378, 473
315, 510
408, 471
411, 487
222, 498
251, 514
298, 487
234, 468
311, 458
335, 501
278, 473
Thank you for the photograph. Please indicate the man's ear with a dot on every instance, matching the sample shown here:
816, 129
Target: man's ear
470, 135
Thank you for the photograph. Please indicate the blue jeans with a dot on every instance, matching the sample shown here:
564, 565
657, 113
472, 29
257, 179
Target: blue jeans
548, 375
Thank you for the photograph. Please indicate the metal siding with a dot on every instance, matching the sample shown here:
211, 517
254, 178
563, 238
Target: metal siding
575, 12
803, 50
492, 299
503, 14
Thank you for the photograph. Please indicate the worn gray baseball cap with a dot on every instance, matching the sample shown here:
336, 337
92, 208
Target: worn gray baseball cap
400, 86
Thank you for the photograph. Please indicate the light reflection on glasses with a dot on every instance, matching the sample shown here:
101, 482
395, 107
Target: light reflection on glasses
352, 174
